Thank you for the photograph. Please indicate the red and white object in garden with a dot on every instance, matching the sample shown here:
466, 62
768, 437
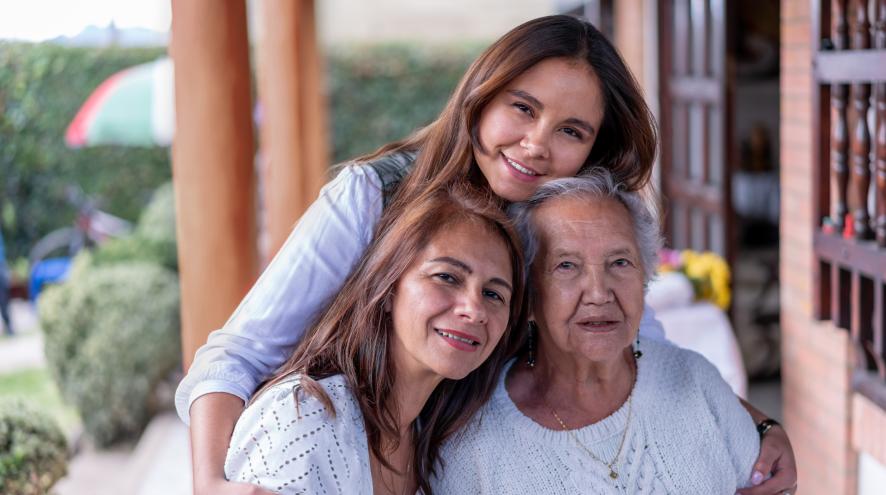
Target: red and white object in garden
134, 107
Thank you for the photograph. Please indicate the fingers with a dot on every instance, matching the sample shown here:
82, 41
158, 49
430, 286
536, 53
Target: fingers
776, 457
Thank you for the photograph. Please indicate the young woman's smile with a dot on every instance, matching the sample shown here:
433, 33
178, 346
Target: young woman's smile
540, 127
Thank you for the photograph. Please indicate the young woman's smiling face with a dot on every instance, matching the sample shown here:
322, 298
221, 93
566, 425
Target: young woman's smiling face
540, 127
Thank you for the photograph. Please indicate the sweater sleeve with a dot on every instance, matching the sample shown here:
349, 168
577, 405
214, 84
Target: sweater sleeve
299, 448
309, 269
734, 423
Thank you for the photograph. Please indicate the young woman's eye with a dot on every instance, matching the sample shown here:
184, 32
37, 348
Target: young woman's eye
523, 108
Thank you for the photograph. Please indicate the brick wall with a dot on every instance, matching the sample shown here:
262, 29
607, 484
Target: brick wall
815, 355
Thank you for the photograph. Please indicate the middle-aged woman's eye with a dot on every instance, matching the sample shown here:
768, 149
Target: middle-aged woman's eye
446, 277
495, 296
572, 132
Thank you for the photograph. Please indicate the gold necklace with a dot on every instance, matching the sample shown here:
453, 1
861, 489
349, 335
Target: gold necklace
612, 472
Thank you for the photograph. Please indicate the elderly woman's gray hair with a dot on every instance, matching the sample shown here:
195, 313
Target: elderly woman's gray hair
593, 183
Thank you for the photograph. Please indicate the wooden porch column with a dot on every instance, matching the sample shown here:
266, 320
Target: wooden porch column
212, 164
293, 101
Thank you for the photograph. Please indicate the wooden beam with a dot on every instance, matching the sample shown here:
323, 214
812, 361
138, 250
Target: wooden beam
212, 164
294, 135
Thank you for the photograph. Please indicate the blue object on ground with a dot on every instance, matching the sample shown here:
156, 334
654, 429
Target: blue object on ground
48, 271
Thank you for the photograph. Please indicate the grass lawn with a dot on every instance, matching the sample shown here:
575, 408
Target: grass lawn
36, 387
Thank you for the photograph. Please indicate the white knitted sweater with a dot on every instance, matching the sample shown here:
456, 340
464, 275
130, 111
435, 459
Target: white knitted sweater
304, 451
688, 435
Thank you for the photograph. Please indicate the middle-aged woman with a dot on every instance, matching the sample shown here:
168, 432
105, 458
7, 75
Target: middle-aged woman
549, 99
406, 353
591, 407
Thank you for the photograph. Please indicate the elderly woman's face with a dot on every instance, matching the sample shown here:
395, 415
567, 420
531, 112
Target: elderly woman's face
588, 277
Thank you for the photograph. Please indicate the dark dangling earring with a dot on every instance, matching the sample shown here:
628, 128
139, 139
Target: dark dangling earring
532, 328
637, 352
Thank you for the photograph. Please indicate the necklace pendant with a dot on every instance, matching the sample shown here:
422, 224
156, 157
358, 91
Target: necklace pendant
613, 474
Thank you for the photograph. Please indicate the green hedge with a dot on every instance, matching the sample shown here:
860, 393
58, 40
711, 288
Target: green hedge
377, 94
153, 239
381, 93
111, 336
33, 450
41, 88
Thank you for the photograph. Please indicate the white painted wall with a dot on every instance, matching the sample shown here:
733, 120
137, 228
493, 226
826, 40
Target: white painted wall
435, 21
871, 476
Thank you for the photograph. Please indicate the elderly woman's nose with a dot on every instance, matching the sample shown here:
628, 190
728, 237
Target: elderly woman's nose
596, 287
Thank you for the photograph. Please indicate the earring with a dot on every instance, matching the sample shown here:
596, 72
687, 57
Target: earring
531, 329
637, 352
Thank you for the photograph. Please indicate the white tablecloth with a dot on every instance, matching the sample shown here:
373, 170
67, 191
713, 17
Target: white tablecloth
705, 329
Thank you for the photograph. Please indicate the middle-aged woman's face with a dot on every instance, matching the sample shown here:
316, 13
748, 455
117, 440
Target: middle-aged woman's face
587, 276
540, 127
452, 305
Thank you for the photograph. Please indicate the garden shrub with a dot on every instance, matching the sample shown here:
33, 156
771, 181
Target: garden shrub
33, 450
41, 88
153, 239
111, 336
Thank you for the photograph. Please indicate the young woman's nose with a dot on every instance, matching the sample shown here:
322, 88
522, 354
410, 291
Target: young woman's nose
535, 143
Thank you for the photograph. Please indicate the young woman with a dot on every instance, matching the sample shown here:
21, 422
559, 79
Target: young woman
397, 363
547, 100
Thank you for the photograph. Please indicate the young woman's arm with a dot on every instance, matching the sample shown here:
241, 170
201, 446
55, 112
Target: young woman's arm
311, 266
214, 417
309, 269
776, 457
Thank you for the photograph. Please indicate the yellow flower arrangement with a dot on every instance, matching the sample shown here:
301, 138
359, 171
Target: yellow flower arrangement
707, 271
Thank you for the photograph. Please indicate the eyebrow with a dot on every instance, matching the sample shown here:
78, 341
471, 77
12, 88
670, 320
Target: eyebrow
559, 253
537, 103
465, 267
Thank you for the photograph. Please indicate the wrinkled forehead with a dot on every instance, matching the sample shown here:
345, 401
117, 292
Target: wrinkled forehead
588, 223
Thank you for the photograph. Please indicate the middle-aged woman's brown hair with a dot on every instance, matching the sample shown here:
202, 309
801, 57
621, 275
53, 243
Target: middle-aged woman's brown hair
353, 337
626, 143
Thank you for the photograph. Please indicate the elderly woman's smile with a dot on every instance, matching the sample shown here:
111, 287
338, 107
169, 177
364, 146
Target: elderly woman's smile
588, 278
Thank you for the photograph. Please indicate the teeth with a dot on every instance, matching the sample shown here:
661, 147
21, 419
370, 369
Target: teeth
520, 168
455, 337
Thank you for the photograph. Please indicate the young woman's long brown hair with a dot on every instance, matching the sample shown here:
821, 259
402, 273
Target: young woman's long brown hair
353, 337
627, 141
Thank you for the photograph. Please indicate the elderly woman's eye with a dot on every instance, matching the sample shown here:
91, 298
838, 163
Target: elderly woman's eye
622, 263
565, 265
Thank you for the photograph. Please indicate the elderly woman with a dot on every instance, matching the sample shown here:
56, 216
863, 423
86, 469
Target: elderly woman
589, 407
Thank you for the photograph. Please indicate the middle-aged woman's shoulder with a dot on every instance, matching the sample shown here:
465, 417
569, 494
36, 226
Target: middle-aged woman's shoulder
289, 442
